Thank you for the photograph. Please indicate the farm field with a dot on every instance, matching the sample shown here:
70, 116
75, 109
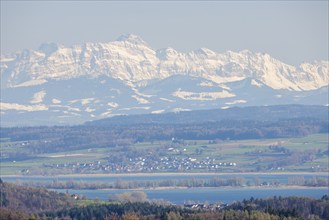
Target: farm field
306, 154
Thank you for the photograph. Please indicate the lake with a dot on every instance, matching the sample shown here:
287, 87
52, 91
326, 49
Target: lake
211, 195
282, 178
180, 196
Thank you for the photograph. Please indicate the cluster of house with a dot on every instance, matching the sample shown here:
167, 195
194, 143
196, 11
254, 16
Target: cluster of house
146, 164
205, 206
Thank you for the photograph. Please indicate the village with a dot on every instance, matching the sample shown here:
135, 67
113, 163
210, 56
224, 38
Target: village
144, 164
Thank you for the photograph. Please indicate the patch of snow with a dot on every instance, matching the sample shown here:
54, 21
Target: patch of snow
106, 114
70, 114
56, 101
225, 87
89, 110
225, 107
221, 79
84, 102
202, 96
140, 100
34, 82
255, 83
19, 107
4, 59
206, 84
241, 101
132, 108
138, 92
113, 104
74, 101
181, 110
167, 100
38, 97
157, 111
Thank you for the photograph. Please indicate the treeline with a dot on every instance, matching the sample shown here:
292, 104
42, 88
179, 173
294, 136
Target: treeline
60, 139
119, 184
124, 211
314, 210
31, 200
252, 113
298, 207
314, 181
191, 182
21, 203
280, 208
10, 214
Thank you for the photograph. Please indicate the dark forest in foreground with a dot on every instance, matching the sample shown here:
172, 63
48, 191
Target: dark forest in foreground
19, 202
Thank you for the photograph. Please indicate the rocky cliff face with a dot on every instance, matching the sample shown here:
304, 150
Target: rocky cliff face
128, 76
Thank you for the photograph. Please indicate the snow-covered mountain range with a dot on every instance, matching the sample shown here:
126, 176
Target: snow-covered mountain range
57, 84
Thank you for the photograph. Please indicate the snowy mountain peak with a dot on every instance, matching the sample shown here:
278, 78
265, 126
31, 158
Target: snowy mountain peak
246, 52
131, 60
167, 53
205, 52
58, 84
131, 38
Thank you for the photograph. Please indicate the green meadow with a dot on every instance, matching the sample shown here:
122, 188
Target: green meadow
305, 154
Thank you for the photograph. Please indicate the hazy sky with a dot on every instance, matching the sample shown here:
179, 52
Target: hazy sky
291, 31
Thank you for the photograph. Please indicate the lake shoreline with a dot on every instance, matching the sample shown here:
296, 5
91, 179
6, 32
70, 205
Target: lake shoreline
219, 187
170, 174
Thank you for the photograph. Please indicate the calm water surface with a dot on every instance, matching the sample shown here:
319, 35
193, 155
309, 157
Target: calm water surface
282, 178
180, 196
211, 195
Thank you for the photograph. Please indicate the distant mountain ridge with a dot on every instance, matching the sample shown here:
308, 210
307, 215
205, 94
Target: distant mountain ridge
131, 59
127, 76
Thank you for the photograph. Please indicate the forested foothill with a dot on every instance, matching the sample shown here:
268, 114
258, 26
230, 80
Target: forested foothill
19, 203
57, 139
252, 113
197, 141
234, 124
30, 200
